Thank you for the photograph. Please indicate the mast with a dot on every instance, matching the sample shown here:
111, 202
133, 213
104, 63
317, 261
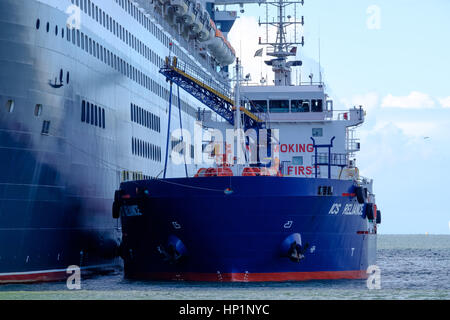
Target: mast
237, 91
281, 48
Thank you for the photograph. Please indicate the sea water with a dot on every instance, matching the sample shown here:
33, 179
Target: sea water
410, 266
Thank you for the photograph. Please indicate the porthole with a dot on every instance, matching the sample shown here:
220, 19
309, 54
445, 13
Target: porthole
83, 111
10, 106
56, 30
100, 117
45, 127
88, 113
38, 24
38, 110
48, 26
62, 33
68, 77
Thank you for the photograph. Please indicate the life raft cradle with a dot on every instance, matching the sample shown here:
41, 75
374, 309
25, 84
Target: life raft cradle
226, 172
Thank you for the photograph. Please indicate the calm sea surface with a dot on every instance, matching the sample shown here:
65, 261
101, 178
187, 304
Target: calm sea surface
412, 267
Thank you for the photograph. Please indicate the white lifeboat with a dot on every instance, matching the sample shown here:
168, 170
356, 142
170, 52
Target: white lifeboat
220, 48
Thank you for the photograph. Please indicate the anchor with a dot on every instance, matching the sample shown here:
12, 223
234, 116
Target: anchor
296, 251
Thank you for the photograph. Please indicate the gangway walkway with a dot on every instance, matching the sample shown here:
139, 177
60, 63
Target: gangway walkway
215, 96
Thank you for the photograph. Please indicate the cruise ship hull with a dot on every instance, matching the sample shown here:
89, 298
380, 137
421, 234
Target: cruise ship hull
242, 228
59, 170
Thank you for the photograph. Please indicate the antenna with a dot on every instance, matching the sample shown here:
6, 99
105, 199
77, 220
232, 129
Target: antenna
320, 65
281, 47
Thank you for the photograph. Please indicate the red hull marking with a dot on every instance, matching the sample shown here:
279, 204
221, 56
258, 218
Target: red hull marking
252, 277
33, 277
349, 194
42, 276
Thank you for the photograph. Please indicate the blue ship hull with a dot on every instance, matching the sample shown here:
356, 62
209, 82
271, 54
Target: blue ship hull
241, 229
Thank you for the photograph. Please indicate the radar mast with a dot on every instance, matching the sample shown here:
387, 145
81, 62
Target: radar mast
281, 49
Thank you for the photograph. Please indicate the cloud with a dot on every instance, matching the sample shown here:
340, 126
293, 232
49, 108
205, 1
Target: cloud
415, 100
445, 102
368, 101
246, 44
418, 128
404, 167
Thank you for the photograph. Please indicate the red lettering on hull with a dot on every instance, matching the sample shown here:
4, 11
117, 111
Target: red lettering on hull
296, 148
299, 171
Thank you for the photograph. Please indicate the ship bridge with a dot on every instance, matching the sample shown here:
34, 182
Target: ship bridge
301, 103
289, 103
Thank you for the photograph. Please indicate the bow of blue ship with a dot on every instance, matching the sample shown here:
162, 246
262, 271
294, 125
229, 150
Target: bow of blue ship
238, 228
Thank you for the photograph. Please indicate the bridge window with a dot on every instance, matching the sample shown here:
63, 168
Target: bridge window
38, 24
316, 106
279, 106
299, 106
258, 105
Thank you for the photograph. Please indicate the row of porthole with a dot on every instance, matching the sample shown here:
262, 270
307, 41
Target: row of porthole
93, 114
134, 175
37, 112
96, 14
163, 94
38, 25
37, 109
61, 75
146, 150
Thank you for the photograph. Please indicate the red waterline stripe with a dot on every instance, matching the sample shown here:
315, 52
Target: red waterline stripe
56, 275
252, 277
41, 276
362, 232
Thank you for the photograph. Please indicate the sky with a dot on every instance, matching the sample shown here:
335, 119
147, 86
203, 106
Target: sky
392, 57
